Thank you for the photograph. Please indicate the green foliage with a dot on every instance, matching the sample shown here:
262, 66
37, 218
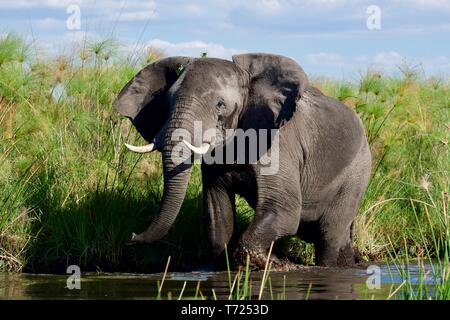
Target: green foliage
13, 49
345, 91
371, 82
103, 49
433, 283
15, 82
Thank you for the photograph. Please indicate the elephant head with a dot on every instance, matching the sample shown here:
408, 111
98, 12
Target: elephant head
256, 91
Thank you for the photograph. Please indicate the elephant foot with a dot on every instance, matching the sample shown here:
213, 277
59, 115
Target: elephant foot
258, 261
348, 257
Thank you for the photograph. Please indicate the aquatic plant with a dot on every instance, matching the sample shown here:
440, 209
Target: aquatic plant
240, 285
433, 281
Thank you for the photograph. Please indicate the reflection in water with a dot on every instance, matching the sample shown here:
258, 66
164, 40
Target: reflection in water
321, 283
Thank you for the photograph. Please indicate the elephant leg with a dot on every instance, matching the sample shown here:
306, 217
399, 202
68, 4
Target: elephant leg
268, 226
335, 246
348, 254
219, 209
276, 215
326, 253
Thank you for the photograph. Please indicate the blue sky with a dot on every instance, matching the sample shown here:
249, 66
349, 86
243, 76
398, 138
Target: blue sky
326, 37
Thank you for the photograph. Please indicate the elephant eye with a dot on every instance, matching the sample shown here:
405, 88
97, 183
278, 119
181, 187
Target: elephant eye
220, 105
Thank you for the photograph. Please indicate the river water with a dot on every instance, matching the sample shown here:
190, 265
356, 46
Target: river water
309, 283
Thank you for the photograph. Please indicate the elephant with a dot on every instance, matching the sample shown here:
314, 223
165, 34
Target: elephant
324, 161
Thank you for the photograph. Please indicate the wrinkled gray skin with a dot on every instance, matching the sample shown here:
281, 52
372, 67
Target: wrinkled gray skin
324, 156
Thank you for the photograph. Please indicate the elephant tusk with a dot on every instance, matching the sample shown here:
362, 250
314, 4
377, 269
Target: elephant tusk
199, 150
143, 149
136, 237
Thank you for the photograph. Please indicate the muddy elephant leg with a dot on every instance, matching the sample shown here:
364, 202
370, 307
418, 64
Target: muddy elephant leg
219, 211
331, 255
348, 254
268, 226
277, 215
327, 251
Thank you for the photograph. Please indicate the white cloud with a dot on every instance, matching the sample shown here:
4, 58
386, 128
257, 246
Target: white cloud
12, 4
324, 58
273, 7
194, 48
18, 4
425, 4
194, 9
442, 61
100, 4
437, 66
50, 23
135, 16
59, 3
327, 3
268, 6
388, 59
302, 28
66, 44
122, 10
81, 36
257, 6
388, 62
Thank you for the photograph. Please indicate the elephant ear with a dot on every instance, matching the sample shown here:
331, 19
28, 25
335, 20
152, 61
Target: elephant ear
276, 84
144, 98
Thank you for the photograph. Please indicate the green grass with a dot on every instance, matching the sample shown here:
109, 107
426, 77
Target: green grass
432, 280
71, 194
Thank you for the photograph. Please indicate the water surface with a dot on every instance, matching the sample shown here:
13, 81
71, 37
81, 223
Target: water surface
311, 283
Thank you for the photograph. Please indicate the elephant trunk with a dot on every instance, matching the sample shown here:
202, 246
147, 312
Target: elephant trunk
176, 175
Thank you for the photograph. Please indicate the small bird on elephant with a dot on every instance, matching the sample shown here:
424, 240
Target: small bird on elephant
323, 161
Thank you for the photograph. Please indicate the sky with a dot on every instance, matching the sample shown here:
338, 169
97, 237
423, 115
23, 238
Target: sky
334, 38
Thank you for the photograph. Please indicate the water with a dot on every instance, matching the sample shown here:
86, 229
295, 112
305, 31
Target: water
322, 283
